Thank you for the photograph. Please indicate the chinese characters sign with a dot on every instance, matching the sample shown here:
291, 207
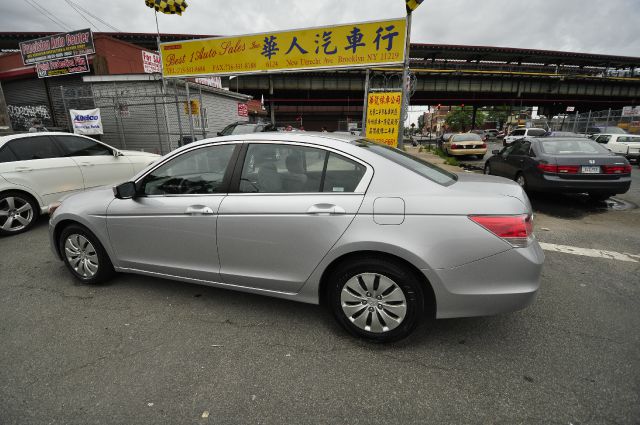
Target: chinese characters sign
383, 117
57, 46
55, 68
346, 46
243, 110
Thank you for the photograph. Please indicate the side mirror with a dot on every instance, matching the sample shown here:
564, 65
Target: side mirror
220, 133
125, 190
495, 151
117, 153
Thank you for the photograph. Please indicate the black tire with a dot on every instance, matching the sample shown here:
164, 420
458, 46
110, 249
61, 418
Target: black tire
405, 281
600, 196
104, 270
10, 203
487, 169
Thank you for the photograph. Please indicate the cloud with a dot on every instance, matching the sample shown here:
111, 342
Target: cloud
574, 25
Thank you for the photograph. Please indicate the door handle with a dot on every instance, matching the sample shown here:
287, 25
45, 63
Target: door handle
23, 169
325, 209
198, 210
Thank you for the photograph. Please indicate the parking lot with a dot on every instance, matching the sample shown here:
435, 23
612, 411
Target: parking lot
143, 350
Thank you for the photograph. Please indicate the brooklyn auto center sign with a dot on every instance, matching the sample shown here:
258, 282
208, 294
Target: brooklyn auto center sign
364, 44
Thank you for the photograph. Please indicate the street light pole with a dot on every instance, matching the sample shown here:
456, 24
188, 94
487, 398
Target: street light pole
404, 107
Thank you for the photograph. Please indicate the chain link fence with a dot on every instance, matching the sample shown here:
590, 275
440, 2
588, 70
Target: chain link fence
151, 115
597, 121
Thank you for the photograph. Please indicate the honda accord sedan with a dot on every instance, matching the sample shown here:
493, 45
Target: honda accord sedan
378, 236
565, 165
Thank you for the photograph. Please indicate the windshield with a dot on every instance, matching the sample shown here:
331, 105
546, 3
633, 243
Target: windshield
468, 137
414, 164
536, 132
572, 147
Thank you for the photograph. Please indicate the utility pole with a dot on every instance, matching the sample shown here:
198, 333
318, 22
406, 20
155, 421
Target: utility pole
404, 107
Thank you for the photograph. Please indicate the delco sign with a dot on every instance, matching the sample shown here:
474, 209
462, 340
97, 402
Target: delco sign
86, 121
86, 118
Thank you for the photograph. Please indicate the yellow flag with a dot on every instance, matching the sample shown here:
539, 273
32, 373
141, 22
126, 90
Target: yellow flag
170, 7
412, 5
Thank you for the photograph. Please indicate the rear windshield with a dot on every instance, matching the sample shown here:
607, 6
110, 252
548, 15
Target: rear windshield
414, 164
572, 147
536, 132
467, 137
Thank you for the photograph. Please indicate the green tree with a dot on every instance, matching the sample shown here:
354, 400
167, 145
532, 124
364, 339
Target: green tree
499, 114
460, 119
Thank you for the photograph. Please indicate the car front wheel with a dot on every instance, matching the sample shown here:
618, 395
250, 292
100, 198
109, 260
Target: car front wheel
376, 299
18, 213
84, 255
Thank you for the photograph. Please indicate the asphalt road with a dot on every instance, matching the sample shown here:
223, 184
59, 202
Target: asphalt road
152, 351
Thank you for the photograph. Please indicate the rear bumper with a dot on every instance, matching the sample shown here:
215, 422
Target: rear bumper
554, 183
504, 282
468, 151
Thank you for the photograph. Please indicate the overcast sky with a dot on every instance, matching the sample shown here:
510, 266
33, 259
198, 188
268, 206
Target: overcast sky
609, 26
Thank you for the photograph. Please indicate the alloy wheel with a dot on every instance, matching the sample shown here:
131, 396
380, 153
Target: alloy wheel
373, 302
15, 213
81, 255
521, 181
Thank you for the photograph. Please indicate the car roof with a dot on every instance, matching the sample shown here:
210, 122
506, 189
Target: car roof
318, 138
5, 139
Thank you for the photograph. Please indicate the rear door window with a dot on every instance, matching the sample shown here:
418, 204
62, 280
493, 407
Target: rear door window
6, 155
35, 147
79, 146
342, 174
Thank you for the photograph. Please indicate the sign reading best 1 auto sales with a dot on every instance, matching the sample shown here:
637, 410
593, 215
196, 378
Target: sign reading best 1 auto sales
343, 46
74, 43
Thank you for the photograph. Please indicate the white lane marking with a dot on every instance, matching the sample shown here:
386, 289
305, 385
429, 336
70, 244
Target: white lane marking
588, 252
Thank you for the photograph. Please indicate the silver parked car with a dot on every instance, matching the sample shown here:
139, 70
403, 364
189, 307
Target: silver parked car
379, 236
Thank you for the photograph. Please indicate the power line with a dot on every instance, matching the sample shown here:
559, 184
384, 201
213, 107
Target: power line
91, 24
48, 15
93, 16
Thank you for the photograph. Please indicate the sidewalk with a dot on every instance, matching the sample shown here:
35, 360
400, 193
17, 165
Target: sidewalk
433, 159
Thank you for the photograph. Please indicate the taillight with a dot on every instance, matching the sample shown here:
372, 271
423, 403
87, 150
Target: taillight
548, 168
562, 169
515, 229
567, 169
454, 146
484, 145
616, 169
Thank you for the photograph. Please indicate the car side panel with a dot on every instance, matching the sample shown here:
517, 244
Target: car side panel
50, 178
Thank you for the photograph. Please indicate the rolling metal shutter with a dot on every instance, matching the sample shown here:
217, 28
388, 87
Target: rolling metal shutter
27, 100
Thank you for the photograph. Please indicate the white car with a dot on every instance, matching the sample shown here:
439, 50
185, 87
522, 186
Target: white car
520, 133
627, 145
37, 169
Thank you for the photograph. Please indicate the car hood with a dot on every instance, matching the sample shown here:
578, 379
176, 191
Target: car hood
138, 153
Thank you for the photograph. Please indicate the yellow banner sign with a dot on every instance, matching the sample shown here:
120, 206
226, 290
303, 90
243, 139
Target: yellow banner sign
343, 46
383, 117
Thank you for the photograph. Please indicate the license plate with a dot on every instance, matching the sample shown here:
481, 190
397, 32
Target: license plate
590, 170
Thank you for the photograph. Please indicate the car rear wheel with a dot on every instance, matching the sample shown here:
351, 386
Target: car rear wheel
487, 169
521, 180
18, 212
378, 300
84, 255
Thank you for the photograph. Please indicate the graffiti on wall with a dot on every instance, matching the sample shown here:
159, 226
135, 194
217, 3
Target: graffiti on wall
22, 116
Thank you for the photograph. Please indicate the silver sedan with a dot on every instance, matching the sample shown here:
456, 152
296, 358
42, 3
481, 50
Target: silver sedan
378, 236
